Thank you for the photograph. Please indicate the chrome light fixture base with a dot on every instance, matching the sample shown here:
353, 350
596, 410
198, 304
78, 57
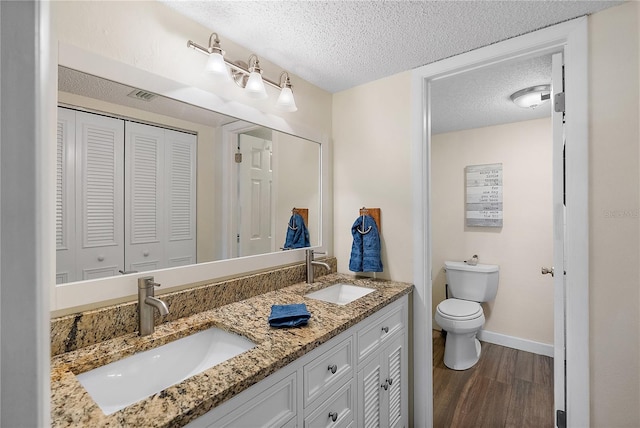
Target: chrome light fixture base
249, 75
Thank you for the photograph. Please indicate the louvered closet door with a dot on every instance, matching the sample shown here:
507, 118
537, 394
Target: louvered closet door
180, 198
145, 231
65, 197
99, 195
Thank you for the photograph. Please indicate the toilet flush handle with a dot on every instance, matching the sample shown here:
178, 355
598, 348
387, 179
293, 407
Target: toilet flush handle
545, 271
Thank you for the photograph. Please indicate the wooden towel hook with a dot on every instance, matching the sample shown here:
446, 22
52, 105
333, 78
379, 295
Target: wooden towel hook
303, 212
373, 213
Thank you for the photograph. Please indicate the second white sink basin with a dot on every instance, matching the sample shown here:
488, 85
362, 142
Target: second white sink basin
340, 294
119, 384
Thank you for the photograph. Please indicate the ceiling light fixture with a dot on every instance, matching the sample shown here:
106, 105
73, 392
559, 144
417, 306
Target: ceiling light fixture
248, 76
532, 97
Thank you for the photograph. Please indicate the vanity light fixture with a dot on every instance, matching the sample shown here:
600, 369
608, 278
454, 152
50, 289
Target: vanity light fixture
532, 97
248, 76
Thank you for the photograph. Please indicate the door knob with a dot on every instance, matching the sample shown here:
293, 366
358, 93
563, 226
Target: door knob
545, 271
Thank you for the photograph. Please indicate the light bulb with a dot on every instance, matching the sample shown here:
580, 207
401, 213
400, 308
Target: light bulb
216, 66
255, 86
286, 102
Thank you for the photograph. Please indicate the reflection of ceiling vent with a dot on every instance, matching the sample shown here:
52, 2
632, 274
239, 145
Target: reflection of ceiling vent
141, 95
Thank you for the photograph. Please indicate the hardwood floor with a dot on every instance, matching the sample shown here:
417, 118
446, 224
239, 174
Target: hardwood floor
506, 388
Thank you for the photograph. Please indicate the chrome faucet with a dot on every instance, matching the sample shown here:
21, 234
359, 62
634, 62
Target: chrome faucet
146, 302
311, 263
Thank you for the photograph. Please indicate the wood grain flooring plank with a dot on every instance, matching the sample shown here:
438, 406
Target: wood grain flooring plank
524, 366
506, 388
543, 370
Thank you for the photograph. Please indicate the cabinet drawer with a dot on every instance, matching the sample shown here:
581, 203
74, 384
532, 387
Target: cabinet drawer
380, 331
339, 407
329, 370
271, 408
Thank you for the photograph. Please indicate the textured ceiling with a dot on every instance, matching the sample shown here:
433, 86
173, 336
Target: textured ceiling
481, 97
340, 44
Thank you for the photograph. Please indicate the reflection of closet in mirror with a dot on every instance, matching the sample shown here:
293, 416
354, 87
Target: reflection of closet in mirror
114, 172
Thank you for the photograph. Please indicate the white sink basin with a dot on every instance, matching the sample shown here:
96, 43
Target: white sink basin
340, 294
116, 385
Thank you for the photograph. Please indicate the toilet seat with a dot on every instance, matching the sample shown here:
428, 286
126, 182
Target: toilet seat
459, 310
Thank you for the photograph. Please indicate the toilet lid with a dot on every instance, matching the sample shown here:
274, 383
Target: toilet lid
460, 309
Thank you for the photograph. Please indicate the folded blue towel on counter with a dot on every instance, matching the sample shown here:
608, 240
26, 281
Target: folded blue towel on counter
293, 315
297, 233
365, 250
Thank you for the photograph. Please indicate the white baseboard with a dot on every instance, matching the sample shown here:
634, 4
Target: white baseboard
516, 343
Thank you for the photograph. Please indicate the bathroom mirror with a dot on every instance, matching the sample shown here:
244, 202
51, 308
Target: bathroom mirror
225, 191
268, 175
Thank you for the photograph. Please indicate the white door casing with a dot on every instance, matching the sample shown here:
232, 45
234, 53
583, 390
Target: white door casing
557, 118
571, 38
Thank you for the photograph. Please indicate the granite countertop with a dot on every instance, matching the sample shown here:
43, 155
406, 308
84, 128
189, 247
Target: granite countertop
177, 405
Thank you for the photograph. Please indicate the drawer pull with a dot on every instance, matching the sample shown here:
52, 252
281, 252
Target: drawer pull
332, 368
390, 381
333, 416
385, 329
385, 385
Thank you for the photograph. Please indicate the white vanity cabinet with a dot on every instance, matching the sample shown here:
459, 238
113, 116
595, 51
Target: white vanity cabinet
357, 379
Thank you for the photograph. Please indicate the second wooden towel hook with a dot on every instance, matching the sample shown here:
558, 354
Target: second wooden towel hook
373, 213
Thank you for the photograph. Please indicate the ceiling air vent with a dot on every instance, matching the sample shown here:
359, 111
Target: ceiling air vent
141, 95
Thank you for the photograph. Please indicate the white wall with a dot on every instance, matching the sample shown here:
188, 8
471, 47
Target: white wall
614, 221
523, 307
372, 158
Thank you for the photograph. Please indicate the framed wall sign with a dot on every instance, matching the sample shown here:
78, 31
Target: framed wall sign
484, 195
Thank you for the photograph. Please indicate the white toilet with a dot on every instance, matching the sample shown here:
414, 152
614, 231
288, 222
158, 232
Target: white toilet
461, 315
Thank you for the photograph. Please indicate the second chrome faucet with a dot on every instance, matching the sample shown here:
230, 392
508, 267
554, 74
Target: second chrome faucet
146, 302
310, 262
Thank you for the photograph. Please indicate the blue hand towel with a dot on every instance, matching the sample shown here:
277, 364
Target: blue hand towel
365, 251
293, 315
297, 233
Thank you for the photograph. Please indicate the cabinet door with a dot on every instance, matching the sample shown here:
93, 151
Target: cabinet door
370, 395
395, 408
382, 393
99, 195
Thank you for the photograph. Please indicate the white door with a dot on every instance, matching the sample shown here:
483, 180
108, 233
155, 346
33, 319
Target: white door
160, 205
144, 150
180, 198
254, 196
65, 197
99, 197
559, 224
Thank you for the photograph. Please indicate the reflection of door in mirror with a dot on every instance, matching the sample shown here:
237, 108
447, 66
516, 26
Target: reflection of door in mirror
109, 170
255, 195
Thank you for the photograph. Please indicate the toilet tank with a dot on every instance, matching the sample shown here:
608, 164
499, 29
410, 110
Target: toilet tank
477, 283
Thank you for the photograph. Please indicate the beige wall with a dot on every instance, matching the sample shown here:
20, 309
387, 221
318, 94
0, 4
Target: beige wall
613, 216
523, 307
372, 168
371, 123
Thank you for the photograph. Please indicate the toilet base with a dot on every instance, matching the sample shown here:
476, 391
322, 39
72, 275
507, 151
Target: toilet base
461, 350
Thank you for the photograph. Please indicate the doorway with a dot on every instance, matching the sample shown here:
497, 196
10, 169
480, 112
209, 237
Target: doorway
570, 38
506, 221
